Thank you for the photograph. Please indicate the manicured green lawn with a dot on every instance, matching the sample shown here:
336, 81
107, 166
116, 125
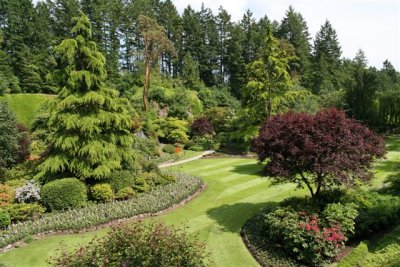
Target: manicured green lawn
234, 193
26, 106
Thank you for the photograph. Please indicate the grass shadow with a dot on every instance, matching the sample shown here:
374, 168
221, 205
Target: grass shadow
250, 168
232, 217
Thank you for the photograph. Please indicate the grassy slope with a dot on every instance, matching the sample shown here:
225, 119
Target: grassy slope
26, 106
234, 193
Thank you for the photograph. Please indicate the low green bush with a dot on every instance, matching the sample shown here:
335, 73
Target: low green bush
125, 193
170, 149
5, 219
156, 200
375, 211
20, 212
138, 244
63, 194
102, 192
121, 179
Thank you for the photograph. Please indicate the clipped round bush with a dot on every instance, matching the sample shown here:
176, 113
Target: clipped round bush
5, 219
102, 192
139, 244
121, 179
63, 194
125, 193
28, 193
170, 149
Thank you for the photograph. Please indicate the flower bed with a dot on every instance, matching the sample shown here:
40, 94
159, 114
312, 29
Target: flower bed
154, 201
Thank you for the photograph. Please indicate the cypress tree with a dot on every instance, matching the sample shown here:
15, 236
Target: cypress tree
90, 125
190, 72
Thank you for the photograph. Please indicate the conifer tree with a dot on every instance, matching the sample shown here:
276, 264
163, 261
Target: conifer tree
90, 126
293, 28
190, 72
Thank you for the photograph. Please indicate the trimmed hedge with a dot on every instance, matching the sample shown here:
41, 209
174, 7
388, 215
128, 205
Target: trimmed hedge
63, 194
154, 201
121, 179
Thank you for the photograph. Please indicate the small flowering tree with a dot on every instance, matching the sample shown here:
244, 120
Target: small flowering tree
28, 193
319, 151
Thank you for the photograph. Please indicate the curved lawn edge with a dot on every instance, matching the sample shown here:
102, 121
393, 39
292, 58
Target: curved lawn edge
164, 199
250, 231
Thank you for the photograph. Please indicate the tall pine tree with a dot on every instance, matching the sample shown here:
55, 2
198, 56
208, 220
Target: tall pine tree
90, 126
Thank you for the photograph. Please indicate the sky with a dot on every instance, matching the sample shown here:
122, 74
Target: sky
372, 25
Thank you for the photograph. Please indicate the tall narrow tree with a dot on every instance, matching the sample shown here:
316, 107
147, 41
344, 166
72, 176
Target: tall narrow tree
90, 126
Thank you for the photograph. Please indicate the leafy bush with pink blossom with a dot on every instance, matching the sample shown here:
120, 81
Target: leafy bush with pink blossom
310, 239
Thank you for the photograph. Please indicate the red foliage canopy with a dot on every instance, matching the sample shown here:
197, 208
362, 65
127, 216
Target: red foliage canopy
202, 126
325, 149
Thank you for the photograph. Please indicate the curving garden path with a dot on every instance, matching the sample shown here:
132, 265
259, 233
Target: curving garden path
234, 193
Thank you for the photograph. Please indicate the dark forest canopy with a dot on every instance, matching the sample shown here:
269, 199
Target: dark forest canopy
212, 51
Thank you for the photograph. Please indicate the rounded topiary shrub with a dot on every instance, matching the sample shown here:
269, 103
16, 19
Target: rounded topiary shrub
68, 193
5, 219
121, 179
102, 192
138, 244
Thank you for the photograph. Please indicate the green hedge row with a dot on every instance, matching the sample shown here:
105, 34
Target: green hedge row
154, 201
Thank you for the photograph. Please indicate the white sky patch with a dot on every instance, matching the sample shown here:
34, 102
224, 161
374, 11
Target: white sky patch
372, 25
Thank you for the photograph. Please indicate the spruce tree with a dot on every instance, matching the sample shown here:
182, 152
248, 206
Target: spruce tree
294, 29
90, 126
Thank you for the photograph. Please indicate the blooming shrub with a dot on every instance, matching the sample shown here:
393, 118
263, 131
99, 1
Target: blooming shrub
28, 193
306, 237
156, 200
138, 244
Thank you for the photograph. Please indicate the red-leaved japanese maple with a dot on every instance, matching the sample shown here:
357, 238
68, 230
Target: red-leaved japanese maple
202, 126
321, 151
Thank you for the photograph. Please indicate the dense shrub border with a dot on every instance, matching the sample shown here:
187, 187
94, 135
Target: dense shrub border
148, 204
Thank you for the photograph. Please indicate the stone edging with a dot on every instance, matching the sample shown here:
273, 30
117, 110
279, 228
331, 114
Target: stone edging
101, 226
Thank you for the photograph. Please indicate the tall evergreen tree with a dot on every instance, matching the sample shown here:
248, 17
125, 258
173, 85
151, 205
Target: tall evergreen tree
250, 46
326, 59
90, 126
190, 72
224, 28
294, 28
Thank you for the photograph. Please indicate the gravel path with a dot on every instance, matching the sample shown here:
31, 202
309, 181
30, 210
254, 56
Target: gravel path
207, 152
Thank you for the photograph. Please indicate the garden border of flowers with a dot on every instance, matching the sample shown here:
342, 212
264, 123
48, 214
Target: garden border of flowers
159, 201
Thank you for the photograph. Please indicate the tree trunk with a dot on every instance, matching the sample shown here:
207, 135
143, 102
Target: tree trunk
146, 85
